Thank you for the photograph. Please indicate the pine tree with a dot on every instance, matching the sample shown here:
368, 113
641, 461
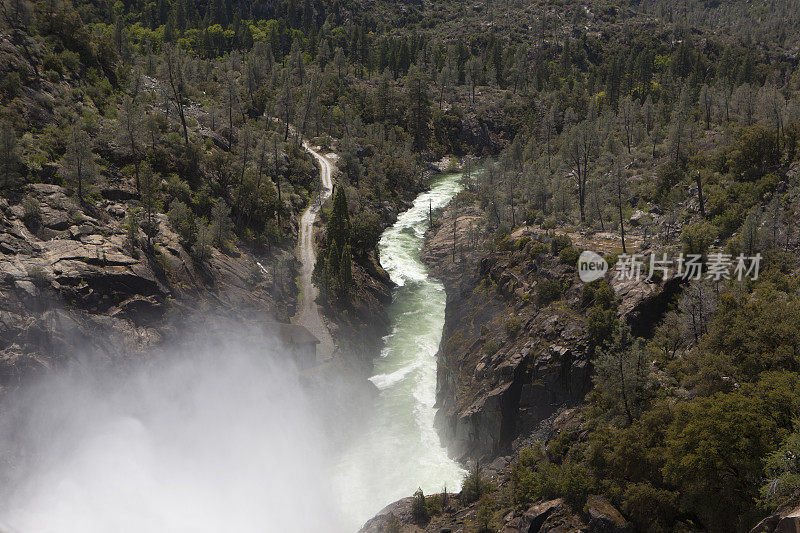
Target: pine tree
334, 268
9, 154
345, 271
78, 163
338, 230
419, 108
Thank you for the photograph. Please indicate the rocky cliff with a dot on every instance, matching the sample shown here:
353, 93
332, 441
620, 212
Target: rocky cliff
516, 345
74, 283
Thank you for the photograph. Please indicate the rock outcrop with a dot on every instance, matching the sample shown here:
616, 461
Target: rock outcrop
550, 516
508, 358
72, 283
597, 516
785, 520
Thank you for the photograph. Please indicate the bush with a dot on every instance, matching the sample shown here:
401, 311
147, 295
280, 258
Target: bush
756, 151
599, 293
568, 256
475, 486
70, 60
32, 213
485, 513
182, 221
698, 237
548, 290
558, 243
782, 471
601, 325
54, 63
38, 276
512, 327
201, 250
546, 480
536, 250
490, 348
11, 85
365, 231
668, 177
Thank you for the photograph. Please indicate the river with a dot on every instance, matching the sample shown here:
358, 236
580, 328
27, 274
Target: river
216, 432
400, 451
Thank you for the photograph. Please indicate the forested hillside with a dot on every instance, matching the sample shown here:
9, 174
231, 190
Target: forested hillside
164, 140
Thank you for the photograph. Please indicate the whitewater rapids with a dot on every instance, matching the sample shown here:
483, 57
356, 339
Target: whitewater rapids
400, 450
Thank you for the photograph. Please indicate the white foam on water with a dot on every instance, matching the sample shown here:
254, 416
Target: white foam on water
400, 450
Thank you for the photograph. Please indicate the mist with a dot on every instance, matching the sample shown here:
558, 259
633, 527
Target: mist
215, 434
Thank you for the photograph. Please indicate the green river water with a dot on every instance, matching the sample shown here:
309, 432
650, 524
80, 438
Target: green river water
400, 451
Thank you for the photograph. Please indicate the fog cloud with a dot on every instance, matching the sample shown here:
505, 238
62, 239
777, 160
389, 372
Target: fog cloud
217, 435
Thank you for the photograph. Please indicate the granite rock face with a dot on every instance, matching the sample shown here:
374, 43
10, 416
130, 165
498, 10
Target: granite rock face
785, 520
507, 360
72, 283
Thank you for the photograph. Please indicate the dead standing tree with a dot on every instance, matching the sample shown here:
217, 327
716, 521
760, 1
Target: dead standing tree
579, 151
175, 72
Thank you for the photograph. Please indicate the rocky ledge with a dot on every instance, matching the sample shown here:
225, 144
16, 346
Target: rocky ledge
785, 520
597, 515
74, 283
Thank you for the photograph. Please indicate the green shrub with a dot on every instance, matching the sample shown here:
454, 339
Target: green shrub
598, 292
490, 348
54, 63
536, 250
755, 151
434, 504
698, 237
545, 480
782, 472
483, 517
38, 276
475, 485
569, 256
512, 327
32, 213
201, 249
70, 60
601, 325
548, 290
667, 178
11, 84
163, 261
182, 221
558, 243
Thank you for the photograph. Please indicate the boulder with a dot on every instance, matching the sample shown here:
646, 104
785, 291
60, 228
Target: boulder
637, 217
604, 517
533, 519
785, 520
54, 219
554, 516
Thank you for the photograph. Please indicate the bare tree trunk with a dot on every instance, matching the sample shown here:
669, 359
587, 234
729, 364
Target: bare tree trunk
619, 205
700, 194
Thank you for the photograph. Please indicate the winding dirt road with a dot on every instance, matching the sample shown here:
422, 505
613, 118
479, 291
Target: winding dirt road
308, 314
